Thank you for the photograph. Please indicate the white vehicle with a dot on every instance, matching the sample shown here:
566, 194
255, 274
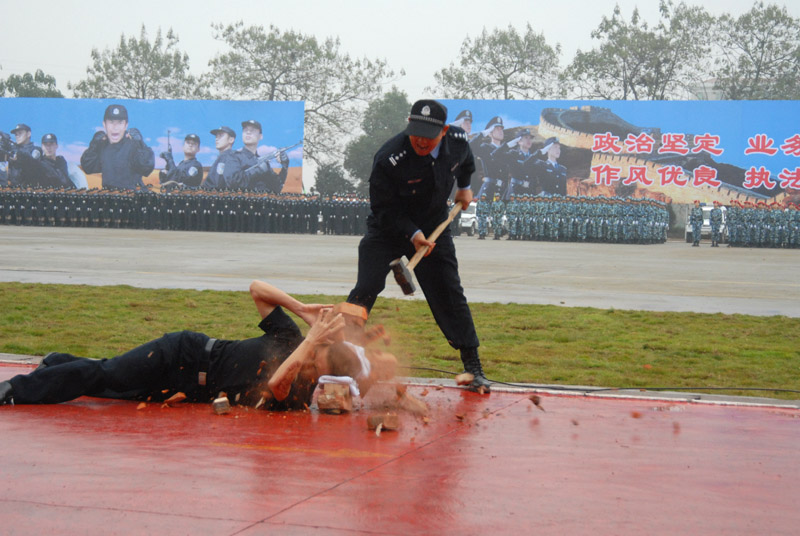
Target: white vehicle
705, 230
469, 223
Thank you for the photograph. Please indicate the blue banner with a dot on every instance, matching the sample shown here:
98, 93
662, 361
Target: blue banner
674, 151
161, 122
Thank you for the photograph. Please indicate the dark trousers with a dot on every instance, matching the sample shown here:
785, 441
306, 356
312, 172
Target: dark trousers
436, 274
168, 363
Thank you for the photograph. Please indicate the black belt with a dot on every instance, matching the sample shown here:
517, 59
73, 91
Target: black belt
205, 359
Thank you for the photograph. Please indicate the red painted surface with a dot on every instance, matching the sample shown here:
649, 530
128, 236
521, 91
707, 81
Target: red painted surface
582, 466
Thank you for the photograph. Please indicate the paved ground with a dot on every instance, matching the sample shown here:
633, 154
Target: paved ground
663, 277
610, 463
476, 464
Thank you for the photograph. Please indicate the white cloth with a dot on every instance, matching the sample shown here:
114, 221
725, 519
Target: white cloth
366, 367
342, 380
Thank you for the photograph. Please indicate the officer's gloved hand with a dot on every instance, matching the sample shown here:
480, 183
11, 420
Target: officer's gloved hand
167, 156
284, 159
259, 170
6, 145
99, 139
134, 134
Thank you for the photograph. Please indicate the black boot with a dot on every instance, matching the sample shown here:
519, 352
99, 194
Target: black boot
6, 393
472, 364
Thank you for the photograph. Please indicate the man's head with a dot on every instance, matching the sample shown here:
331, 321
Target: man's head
337, 359
22, 133
115, 122
426, 126
525, 140
251, 134
223, 138
464, 120
552, 148
49, 145
495, 129
191, 145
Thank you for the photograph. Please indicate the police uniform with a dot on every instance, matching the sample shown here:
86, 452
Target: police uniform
489, 160
24, 169
187, 362
55, 172
122, 164
189, 172
520, 170
551, 176
220, 174
253, 174
409, 193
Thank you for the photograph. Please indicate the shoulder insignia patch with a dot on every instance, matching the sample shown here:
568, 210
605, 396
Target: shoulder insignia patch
396, 158
192, 171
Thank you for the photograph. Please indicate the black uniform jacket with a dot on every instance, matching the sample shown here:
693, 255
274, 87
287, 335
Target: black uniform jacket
123, 164
409, 192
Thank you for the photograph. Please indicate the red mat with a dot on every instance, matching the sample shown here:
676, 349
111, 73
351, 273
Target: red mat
479, 464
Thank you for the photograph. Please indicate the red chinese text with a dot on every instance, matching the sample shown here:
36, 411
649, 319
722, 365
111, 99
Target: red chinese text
606, 174
643, 143
790, 179
637, 174
672, 175
705, 175
673, 144
760, 144
606, 143
708, 143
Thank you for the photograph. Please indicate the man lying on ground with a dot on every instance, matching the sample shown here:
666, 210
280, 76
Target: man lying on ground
278, 370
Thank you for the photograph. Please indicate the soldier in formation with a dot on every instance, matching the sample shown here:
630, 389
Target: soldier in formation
574, 219
761, 225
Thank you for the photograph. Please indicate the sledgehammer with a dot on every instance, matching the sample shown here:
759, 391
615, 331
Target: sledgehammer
402, 273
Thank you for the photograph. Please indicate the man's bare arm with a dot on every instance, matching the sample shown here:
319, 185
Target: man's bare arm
267, 297
322, 331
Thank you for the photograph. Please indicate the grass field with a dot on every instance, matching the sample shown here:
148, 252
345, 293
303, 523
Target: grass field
519, 343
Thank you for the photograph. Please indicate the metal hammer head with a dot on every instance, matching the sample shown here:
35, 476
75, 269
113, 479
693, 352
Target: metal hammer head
403, 276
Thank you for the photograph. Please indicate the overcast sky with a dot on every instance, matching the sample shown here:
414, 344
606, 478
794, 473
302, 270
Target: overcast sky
418, 36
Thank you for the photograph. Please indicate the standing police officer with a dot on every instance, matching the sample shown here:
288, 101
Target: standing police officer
55, 169
24, 159
220, 174
551, 175
412, 176
255, 174
520, 166
119, 153
489, 158
190, 171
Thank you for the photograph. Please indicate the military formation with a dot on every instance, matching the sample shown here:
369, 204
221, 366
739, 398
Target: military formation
761, 225
184, 210
559, 218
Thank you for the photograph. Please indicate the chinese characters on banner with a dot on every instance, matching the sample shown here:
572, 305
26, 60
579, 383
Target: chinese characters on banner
677, 144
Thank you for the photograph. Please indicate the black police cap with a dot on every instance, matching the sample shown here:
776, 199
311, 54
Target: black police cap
226, 130
427, 119
192, 137
116, 111
20, 126
252, 123
49, 138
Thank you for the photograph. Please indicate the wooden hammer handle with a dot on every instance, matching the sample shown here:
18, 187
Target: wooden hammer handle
434, 235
